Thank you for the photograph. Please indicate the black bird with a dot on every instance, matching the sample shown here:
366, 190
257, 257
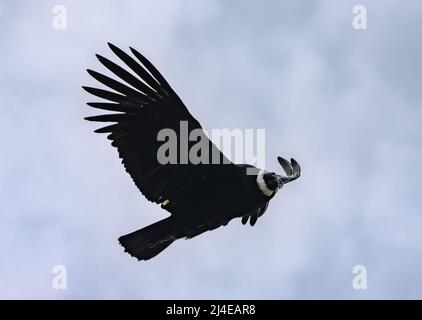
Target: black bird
199, 197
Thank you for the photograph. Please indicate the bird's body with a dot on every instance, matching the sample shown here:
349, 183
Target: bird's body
221, 197
205, 206
199, 196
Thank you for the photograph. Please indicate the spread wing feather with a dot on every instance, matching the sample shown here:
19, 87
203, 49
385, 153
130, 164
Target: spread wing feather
254, 215
142, 105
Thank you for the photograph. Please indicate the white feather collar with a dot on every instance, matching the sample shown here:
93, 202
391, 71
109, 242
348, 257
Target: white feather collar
262, 185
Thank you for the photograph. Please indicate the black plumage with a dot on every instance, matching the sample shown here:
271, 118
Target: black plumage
199, 197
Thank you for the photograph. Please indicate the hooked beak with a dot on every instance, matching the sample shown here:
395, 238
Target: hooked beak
280, 181
292, 170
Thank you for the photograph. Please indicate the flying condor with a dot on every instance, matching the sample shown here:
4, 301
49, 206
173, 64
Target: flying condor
199, 196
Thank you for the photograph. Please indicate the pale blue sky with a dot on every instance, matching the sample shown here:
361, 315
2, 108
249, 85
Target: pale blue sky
345, 103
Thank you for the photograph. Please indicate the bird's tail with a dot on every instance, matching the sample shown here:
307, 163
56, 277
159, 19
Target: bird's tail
148, 242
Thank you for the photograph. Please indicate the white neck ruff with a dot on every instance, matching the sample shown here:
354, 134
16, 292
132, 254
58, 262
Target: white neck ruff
262, 185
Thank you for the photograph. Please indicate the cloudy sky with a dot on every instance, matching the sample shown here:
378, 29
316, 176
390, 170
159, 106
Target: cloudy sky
346, 103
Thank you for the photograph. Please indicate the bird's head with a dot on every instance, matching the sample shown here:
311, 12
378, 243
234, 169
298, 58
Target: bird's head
270, 182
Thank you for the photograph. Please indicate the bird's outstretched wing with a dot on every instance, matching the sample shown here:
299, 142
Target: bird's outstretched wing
145, 103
